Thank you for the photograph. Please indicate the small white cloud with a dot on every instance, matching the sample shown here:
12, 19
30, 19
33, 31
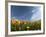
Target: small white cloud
34, 10
13, 18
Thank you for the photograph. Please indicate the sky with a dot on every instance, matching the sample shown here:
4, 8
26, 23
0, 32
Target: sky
25, 12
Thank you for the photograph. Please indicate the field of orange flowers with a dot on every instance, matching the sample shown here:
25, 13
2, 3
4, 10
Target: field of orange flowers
22, 25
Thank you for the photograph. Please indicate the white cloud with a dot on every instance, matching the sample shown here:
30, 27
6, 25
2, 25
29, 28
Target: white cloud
36, 14
13, 18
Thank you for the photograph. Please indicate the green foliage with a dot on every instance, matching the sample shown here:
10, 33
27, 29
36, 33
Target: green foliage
13, 28
23, 27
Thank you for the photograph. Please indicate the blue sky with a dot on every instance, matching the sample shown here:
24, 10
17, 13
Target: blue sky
25, 12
